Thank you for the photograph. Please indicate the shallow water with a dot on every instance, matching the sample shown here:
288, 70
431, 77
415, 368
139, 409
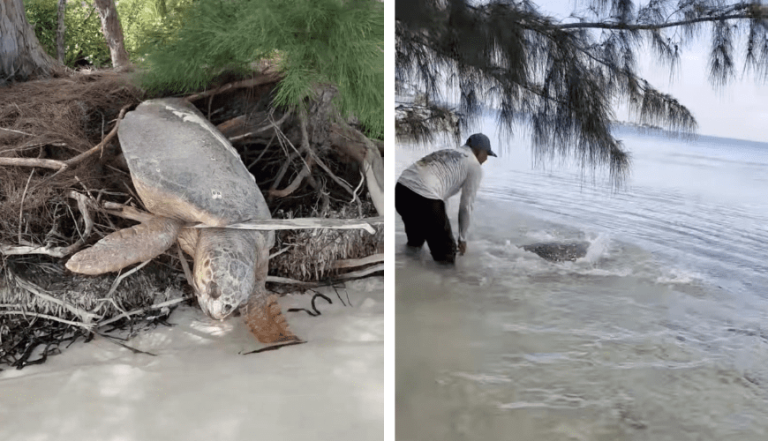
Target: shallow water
657, 334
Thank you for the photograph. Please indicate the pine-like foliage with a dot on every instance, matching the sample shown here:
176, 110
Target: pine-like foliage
340, 42
561, 78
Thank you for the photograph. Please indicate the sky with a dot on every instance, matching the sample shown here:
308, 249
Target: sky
738, 110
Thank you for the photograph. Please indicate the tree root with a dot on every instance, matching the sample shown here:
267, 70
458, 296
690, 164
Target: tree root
367, 154
269, 76
294, 185
10, 250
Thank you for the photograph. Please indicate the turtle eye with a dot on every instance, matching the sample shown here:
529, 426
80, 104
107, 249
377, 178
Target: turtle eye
213, 290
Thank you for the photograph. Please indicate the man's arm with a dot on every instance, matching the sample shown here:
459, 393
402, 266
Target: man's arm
468, 192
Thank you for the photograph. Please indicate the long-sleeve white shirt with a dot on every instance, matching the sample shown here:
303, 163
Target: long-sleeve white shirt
442, 174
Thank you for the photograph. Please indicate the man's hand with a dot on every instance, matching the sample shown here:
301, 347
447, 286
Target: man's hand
462, 247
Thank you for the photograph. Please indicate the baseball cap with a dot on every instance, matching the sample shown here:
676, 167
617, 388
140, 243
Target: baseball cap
480, 141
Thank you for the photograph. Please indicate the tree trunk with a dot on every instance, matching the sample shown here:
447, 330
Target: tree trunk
21, 55
113, 32
60, 31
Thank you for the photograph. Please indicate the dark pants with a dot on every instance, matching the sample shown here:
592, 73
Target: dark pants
426, 220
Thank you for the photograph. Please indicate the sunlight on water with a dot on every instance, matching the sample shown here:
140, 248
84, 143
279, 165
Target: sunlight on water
656, 334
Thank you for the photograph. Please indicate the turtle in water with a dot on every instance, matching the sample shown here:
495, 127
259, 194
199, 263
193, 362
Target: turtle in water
186, 172
558, 251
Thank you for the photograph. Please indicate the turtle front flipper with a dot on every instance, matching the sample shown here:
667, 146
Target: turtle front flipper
127, 246
266, 321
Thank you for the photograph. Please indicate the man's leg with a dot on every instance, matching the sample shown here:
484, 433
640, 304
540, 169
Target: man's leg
410, 207
440, 236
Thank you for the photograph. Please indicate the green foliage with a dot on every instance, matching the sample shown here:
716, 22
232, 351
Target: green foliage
83, 38
149, 23
145, 23
313, 41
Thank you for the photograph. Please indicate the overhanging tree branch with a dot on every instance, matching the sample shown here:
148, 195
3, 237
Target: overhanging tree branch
561, 79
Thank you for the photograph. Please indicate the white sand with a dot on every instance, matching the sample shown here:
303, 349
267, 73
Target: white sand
198, 387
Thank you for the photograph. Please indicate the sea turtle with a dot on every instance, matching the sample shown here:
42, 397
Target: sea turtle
186, 172
558, 251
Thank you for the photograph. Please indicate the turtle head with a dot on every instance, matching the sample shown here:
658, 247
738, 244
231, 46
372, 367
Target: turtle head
222, 284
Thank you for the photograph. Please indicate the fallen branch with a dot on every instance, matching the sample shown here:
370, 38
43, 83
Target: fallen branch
288, 281
306, 223
300, 223
352, 263
361, 273
33, 162
350, 275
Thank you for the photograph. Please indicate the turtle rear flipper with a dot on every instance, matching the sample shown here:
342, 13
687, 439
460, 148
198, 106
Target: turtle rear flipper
127, 246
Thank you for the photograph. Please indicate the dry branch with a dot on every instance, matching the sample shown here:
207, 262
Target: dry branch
362, 272
303, 223
352, 263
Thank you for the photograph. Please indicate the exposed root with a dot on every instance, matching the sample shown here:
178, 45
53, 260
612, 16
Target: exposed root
267, 77
60, 252
294, 185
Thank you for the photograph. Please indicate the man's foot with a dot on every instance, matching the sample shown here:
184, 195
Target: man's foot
266, 321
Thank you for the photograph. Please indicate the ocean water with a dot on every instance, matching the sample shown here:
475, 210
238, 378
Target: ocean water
659, 333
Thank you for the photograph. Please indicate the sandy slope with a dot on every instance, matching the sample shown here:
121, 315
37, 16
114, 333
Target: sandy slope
199, 387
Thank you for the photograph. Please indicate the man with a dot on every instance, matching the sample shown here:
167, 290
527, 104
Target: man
423, 188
